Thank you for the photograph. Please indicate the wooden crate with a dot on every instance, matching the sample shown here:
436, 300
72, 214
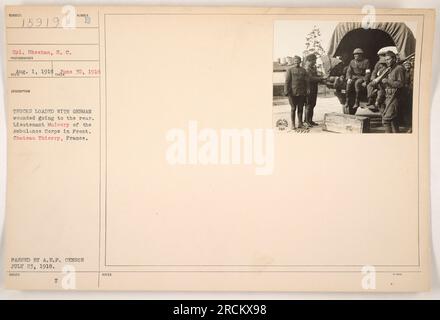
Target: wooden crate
345, 123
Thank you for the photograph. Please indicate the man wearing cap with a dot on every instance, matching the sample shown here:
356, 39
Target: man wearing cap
358, 74
375, 91
295, 88
313, 79
394, 84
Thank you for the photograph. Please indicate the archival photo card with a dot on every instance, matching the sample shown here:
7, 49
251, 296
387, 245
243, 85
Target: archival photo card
343, 77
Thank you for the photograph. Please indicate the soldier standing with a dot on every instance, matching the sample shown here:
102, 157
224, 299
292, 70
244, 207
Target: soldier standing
394, 85
408, 94
358, 74
312, 93
295, 88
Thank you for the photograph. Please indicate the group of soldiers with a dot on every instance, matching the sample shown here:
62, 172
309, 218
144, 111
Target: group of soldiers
301, 87
386, 86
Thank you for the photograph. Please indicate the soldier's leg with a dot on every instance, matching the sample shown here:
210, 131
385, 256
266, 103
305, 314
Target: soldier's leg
387, 126
395, 125
300, 107
348, 91
390, 117
313, 98
307, 110
379, 104
350, 85
336, 84
358, 84
405, 108
339, 84
358, 88
292, 102
371, 93
410, 110
380, 95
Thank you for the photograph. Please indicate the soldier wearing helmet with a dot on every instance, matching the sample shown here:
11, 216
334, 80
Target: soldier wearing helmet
296, 89
358, 74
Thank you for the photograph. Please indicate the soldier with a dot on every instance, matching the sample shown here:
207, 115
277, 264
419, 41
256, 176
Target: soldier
374, 89
338, 83
340, 70
312, 92
394, 84
406, 115
295, 88
358, 74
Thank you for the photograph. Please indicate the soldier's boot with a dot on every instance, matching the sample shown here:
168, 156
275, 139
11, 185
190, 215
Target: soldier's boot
313, 123
293, 120
346, 104
348, 94
395, 126
300, 119
376, 106
370, 101
356, 101
307, 117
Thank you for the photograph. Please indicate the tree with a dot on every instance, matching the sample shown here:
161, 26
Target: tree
313, 43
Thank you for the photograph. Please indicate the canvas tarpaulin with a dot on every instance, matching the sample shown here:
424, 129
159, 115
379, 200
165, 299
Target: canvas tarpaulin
400, 33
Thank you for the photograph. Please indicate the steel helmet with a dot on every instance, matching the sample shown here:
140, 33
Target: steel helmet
358, 51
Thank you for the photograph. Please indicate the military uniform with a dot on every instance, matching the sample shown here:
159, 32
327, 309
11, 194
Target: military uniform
372, 95
394, 89
295, 88
338, 84
357, 72
407, 101
313, 79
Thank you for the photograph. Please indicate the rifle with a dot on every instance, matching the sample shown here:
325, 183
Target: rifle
378, 79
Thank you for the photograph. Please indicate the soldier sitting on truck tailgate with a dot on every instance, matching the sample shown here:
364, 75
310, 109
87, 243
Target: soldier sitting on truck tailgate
374, 89
358, 75
295, 88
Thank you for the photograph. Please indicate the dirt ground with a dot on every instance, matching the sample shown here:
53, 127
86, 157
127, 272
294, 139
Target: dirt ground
325, 104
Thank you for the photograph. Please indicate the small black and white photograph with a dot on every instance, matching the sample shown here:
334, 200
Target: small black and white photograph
343, 77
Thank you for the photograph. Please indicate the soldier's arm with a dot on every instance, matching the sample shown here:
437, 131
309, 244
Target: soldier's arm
349, 71
287, 83
399, 79
313, 78
375, 70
